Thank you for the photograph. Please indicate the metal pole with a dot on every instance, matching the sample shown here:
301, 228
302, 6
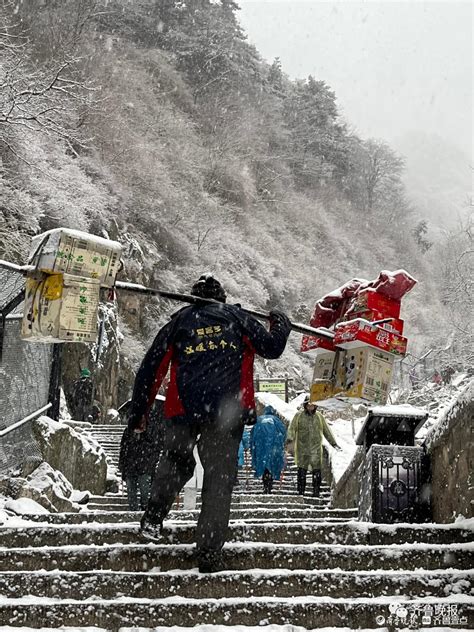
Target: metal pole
54, 395
187, 298
196, 300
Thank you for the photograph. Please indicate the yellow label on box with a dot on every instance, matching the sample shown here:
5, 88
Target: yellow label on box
53, 287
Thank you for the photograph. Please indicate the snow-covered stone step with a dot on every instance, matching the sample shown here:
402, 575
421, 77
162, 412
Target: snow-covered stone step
278, 583
109, 499
305, 611
117, 507
283, 495
350, 532
257, 512
275, 499
111, 517
243, 556
122, 505
289, 485
119, 502
108, 427
235, 628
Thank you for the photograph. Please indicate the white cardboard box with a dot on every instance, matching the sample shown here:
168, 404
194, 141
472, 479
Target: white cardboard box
365, 372
323, 365
60, 307
77, 253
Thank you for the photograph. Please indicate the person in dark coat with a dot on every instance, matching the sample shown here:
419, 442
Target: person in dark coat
243, 446
82, 396
267, 445
209, 349
139, 454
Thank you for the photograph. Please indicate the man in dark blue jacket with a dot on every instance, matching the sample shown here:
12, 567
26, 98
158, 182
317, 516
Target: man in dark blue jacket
209, 350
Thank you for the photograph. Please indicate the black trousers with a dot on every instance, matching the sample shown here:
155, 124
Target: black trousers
301, 481
267, 480
217, 441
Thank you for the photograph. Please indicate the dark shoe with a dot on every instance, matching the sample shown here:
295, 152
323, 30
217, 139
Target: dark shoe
316, 483
301, 481
151, 530
210, 561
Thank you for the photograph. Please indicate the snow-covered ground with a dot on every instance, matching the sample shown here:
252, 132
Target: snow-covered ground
224, 628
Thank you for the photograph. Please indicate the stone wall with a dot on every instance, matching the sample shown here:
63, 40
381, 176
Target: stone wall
451, 448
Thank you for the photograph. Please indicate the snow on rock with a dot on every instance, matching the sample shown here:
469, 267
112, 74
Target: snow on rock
264, 625
79, 457
3, 515
442, 422
63, 408
25, 506
48, 488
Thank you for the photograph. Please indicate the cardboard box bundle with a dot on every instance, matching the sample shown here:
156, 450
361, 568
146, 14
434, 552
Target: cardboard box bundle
60, 307
394, 324
360, 363
365, 372
76, 253
62, 294
370, 299
359, 331
321, 389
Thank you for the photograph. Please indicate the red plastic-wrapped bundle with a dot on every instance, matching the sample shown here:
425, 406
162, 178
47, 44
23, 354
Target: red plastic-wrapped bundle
393, 284
329, 309
358, 298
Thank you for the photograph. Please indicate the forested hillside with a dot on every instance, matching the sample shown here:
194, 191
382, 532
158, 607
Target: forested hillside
154, 122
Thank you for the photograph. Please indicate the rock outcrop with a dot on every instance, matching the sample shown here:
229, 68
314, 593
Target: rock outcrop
81, 460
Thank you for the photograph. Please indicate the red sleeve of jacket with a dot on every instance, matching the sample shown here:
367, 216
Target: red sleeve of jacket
150, 375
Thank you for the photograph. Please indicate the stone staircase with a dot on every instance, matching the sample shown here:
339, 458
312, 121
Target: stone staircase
305, 571
291, 560
108, 436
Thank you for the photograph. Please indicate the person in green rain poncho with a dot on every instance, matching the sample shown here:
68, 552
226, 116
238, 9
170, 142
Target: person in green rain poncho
306, 433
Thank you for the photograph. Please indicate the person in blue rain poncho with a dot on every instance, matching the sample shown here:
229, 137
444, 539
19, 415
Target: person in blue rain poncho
243, 446
267, 445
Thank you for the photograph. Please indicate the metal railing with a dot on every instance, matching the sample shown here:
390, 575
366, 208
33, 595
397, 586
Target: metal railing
19, 446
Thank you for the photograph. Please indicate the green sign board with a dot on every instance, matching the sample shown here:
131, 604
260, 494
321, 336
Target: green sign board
276, 386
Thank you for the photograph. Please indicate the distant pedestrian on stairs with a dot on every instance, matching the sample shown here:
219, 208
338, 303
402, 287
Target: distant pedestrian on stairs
82, 397
267, 446
209, 349
139, 454
244, 445
306, 431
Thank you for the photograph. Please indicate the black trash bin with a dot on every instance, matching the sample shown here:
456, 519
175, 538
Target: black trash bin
395, 477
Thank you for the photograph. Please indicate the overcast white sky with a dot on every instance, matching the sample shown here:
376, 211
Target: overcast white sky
395, 66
